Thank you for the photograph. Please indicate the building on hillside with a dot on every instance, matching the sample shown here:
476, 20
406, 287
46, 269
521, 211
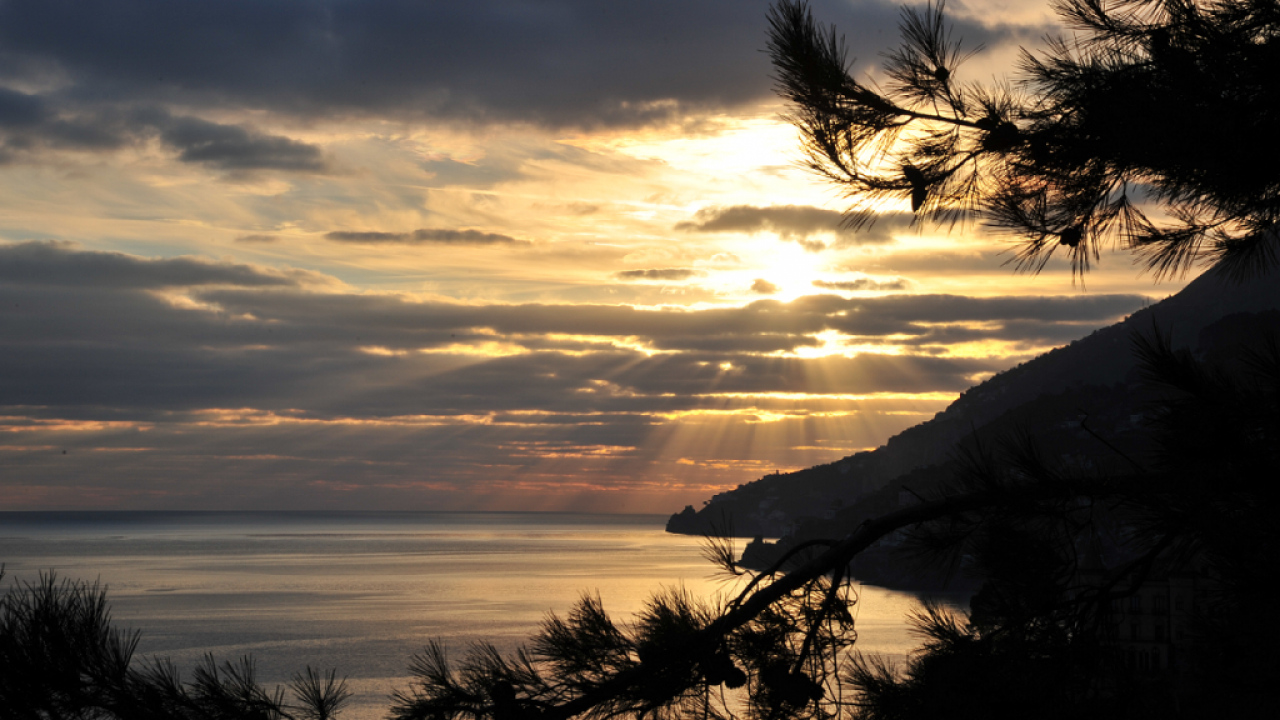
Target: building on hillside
1150, 628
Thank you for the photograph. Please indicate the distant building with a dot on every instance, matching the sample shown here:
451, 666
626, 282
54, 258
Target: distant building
1150, 628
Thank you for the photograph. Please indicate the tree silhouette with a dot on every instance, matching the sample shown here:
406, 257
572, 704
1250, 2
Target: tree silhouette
1168, 101
61, 659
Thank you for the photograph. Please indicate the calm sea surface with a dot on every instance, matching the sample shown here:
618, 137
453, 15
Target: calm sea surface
362, 592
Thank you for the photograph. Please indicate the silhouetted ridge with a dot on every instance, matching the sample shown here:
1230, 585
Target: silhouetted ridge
773, 505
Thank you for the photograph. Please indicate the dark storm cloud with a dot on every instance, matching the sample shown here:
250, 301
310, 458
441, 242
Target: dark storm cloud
673, 274
426, 236
569, 63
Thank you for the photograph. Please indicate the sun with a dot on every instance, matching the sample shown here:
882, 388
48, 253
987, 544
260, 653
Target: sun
776, 268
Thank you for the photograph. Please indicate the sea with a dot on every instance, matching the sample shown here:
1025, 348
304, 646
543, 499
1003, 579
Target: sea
362, 592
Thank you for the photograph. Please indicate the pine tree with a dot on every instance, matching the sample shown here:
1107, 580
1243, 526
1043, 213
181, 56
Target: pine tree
62, 659
1165, 102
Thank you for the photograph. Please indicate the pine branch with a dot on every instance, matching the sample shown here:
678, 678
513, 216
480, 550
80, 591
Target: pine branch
837, 556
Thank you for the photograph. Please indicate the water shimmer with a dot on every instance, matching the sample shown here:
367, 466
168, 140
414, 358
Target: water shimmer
362, 592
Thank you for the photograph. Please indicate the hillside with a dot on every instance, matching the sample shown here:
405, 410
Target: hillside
1103, 361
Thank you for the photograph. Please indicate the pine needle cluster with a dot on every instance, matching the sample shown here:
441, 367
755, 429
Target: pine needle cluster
61, 659
1153, 128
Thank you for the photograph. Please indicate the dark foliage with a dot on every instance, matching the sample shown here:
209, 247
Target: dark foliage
60, 659
1203, 502
59, 656
1174, 102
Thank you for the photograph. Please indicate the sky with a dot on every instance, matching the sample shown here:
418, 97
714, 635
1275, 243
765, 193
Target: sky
492, 255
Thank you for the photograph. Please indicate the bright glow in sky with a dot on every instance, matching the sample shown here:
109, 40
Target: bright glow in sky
492, 255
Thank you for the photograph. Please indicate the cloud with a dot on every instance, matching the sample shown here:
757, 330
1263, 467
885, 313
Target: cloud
54, 264
223, 373
426, 236
865, 373
796, 222
233, 370
763, 287
241, 323
864, 284
19, 109
244, 459
724, 260
483, 173
925, 262
786, 220
32, 123
572, 63
235, 148
879, 231
396, 322
1028, 334
727, 345
672, 274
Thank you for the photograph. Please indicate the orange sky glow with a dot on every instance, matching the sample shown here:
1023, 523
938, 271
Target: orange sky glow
577, 271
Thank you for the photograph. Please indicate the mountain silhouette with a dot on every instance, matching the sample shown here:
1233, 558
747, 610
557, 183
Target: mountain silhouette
1093, 381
